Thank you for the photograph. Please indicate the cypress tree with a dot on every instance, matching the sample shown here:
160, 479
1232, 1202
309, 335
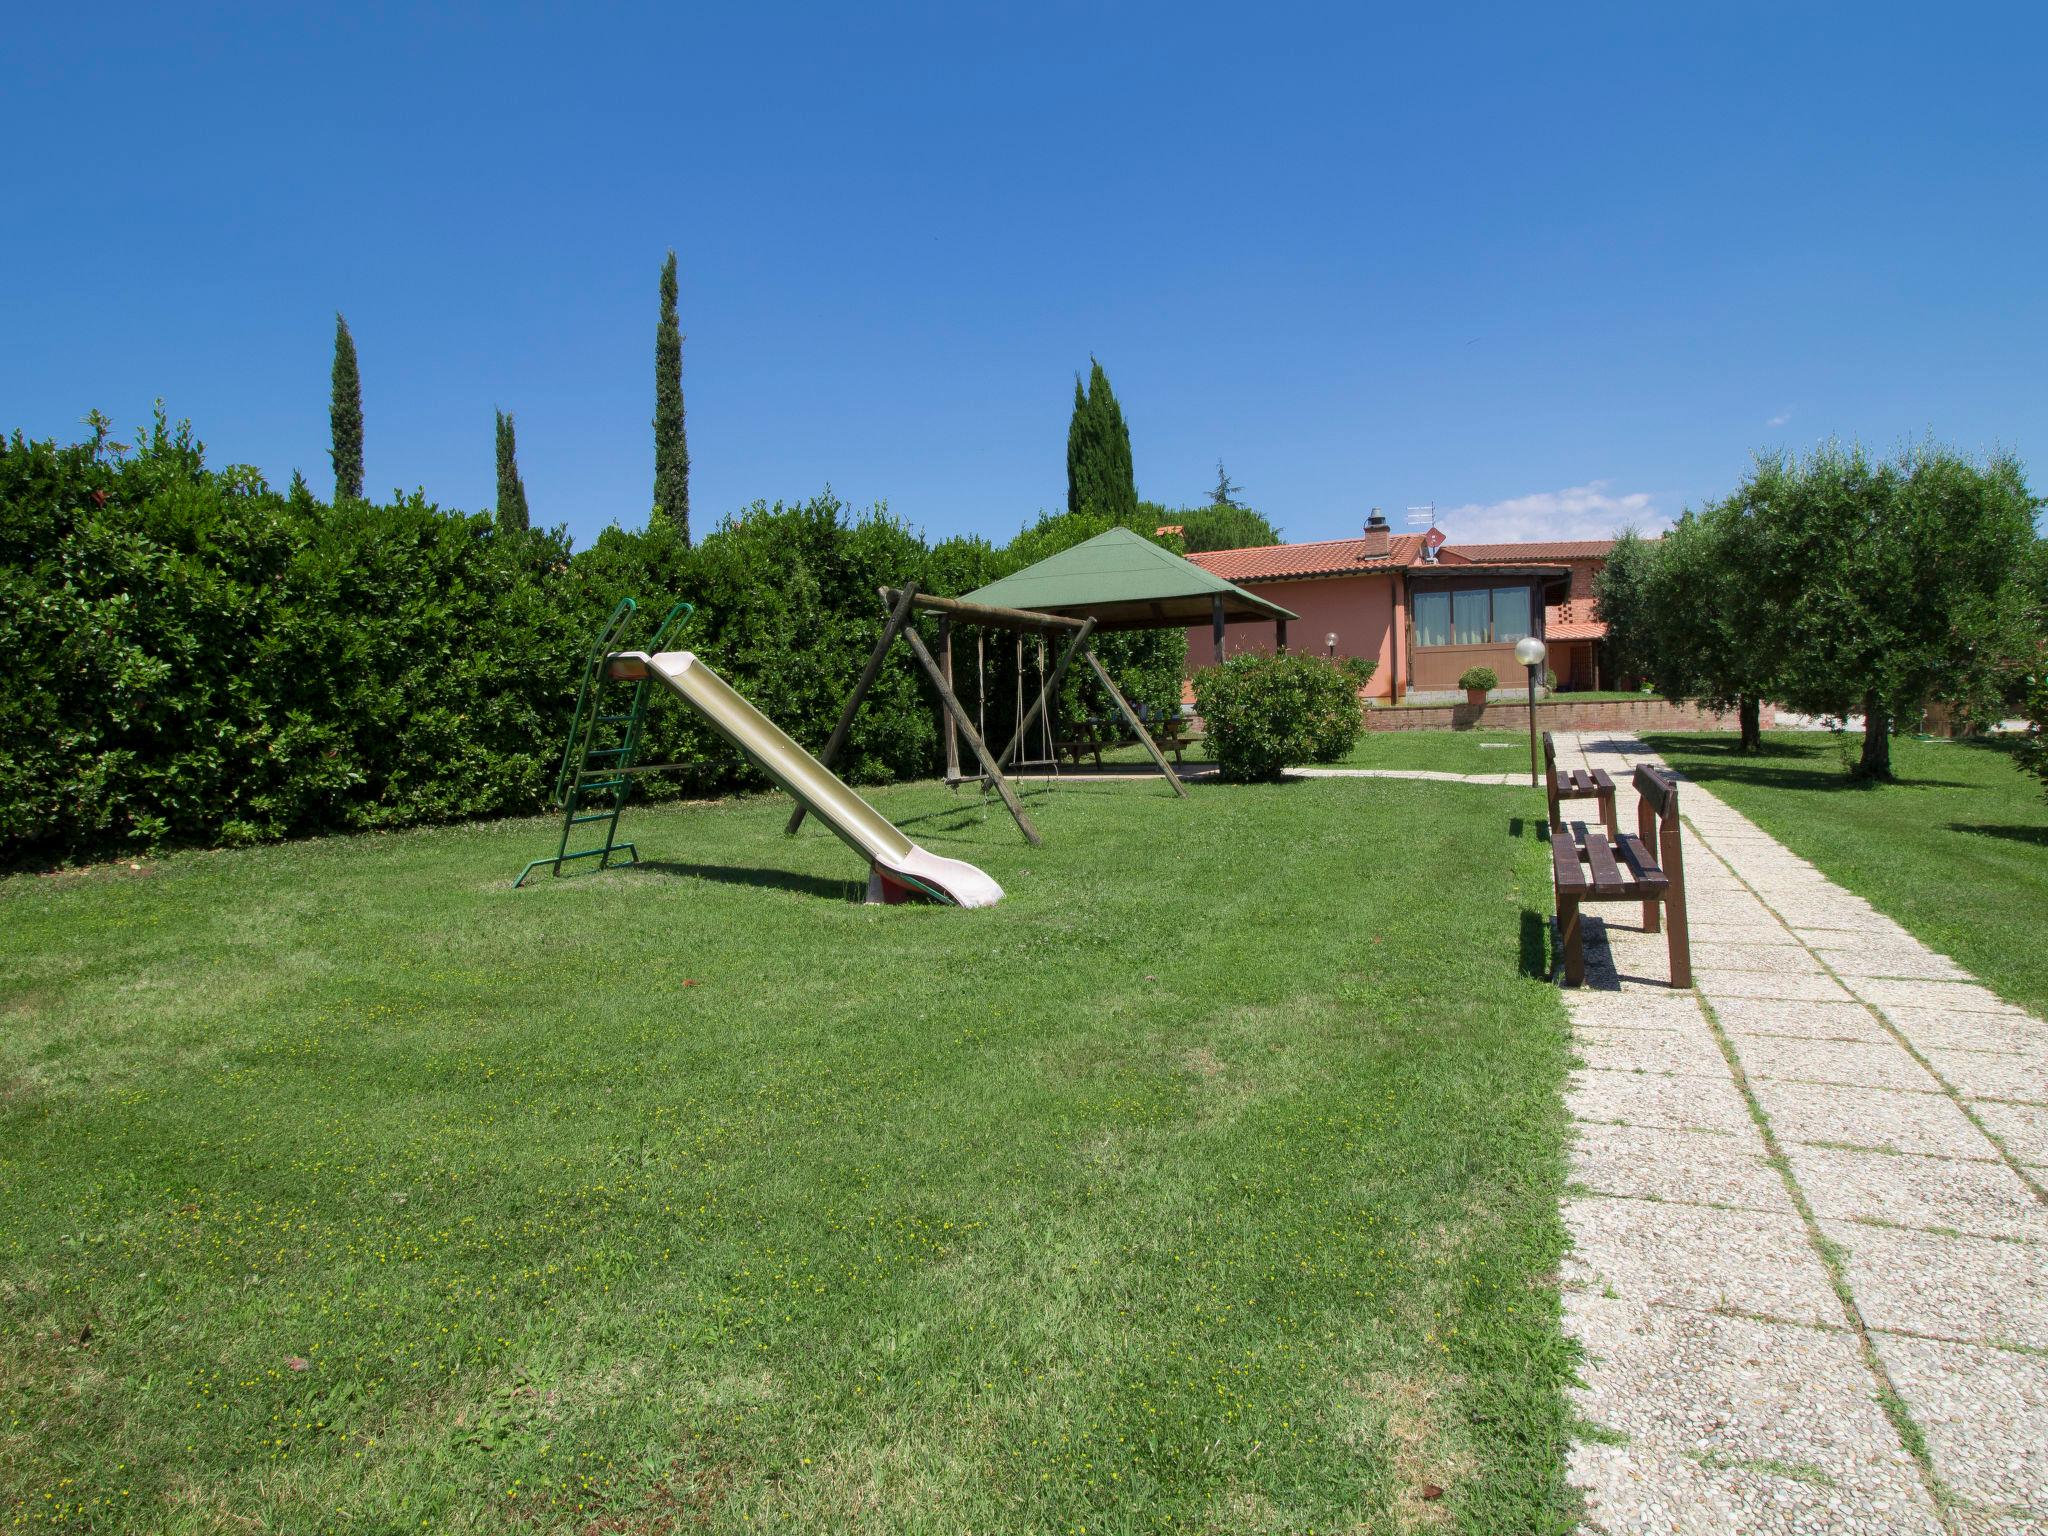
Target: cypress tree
511, 489
1099, 468
671, 445
345, 415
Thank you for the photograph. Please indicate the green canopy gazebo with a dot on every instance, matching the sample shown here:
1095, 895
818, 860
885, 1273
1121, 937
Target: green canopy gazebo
1125, 581
1113, 582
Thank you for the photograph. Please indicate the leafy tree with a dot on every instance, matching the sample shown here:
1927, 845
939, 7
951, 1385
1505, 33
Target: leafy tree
1621, 594
1225, 493
671, 444
512, 514
1687, 612
1100, 476
345, 416
1893, 582
1221, 527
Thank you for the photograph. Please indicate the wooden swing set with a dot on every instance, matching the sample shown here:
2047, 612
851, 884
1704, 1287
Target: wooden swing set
901, 603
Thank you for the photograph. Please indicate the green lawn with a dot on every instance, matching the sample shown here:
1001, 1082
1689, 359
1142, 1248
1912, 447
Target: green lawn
1209, 1183
1443, 751
1956, 850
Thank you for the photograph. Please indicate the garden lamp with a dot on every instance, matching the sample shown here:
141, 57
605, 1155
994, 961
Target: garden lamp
1330, 642
1530, 651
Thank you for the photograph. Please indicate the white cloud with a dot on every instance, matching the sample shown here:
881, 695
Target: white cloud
1589, 511
1779, 420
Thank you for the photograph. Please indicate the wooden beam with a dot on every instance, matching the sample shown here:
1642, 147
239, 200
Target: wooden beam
1052, 686
952, 737
988, 763
898, 616
1138, 725
983, 613
1216, 623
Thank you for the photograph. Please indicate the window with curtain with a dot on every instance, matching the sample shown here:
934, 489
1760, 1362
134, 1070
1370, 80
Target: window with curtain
1432, 618
1510, 614
1469, 617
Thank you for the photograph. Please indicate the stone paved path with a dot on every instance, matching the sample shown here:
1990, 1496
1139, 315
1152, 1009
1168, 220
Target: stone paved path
1810, 1264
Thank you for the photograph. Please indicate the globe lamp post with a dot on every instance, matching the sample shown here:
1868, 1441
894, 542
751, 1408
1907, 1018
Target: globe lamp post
1530, 651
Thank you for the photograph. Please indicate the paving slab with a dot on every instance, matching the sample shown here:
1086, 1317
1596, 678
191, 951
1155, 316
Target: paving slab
1856, 1063
1984, 1412
1877, 1118
1908, 961
2022, 1127
1661, 1253
1637, 1098
1741, 1016
1981, 1199
1815, 988
1733, 1390
1942, 996
1931, 1029
2020, 1077
1682, 1051
1972, 1289
1697, 1167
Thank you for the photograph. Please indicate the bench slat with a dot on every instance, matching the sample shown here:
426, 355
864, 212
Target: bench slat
1643, 864
1600, 779
1607, 877
1565, 867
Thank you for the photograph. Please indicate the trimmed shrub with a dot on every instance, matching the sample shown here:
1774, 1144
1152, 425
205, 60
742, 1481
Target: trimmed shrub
1265, 713
1479, 677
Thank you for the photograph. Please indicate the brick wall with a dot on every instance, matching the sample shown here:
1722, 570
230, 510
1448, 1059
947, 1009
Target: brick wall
1561, 714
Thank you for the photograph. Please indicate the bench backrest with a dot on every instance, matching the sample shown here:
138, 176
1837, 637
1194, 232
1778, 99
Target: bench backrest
1549, 755
1659, 791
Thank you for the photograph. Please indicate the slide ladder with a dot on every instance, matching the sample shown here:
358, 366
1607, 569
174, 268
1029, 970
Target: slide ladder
604, 739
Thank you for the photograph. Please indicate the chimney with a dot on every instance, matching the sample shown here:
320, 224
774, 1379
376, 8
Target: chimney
1379, 541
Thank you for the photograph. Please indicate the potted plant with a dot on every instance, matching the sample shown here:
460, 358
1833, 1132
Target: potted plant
1478, 682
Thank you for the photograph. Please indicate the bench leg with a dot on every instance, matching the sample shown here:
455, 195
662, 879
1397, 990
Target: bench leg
1571, 941
1679, 941
1556, 823
1608, 815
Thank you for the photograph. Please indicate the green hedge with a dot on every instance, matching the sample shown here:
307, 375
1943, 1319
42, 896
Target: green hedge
1262, 714
189, 656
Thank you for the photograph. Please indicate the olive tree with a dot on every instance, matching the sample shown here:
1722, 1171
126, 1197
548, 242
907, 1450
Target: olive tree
1889, 583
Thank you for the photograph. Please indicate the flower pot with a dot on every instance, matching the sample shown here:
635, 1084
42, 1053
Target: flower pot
1476, 697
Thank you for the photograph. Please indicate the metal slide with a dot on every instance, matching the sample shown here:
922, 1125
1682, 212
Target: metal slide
893, 857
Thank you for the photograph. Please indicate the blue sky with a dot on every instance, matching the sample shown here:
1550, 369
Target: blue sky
1549, 273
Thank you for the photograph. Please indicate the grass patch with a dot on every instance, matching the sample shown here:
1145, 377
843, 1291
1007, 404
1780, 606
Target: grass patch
1956, 850
1442, 751
1208, 1183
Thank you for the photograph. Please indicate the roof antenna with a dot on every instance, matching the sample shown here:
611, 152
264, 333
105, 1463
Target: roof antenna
1425, 517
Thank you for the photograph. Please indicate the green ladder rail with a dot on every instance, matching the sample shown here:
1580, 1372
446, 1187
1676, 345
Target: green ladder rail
597, 760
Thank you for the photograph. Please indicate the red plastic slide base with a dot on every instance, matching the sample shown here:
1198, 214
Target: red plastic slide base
884, 890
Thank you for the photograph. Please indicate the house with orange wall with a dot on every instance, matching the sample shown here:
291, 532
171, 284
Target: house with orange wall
1424, 609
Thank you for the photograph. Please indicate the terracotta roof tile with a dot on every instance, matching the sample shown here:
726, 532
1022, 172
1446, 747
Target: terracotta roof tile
1346, 557
1331, 557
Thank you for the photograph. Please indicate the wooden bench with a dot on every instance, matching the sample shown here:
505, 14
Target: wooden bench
1577, 784
1646, 867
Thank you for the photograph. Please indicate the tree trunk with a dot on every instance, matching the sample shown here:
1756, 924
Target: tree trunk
1752, 723
1877, 741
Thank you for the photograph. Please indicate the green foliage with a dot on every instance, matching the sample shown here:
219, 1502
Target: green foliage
1100, 475
345, 416
512, 513
671, 443
190, 657
1216, 527
1224, 493
1264, 713
1621, 591
1483, 678
1894, 580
